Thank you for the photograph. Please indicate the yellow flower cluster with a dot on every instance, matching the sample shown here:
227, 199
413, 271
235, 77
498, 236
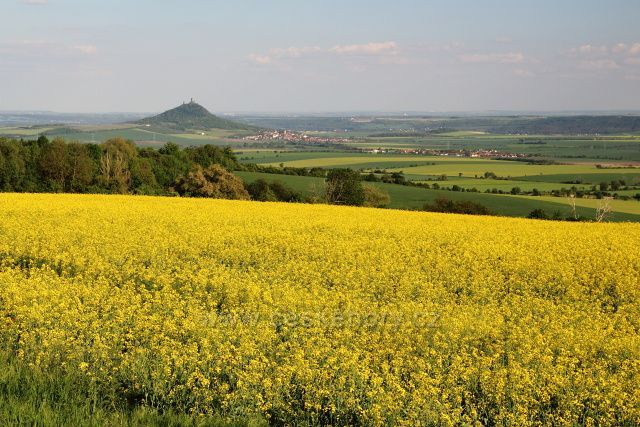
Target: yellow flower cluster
322, 314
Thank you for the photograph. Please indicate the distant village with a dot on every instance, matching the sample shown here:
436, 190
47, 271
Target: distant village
291, 136
449, 153
303, 137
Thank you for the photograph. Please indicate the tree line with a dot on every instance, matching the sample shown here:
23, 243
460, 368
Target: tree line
119, 166
114, 166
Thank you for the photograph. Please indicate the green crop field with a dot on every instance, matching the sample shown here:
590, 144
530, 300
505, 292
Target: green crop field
146, 137
619, 207
23, 131
353, 160
595, 177
624, 147
275, 157
477, 167
503, 184
406, 197
417, 166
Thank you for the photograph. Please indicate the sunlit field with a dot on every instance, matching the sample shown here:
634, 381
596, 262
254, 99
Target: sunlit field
292, 313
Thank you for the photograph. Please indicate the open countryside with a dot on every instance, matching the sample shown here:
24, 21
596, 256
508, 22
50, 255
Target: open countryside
475, 169
330, 214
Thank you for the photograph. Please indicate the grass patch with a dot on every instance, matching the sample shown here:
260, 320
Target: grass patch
33, 396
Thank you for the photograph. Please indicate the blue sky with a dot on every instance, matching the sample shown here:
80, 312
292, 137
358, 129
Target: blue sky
310, 56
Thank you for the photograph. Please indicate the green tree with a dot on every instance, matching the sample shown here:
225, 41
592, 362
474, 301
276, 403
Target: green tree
284, 193
207, 155
80, 167
490, 175
214, 181
12, 166
261, 190
143, 179
54, 164
344, 187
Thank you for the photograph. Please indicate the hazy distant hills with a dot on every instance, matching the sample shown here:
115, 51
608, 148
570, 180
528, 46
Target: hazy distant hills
427, 124
191, 116
51, 118
570, 125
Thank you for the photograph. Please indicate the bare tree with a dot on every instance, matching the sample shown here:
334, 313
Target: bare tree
572, 202
114, 171
603, 210
105, 168
333, 192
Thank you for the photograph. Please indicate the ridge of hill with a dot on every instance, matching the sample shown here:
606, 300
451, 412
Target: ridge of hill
191, 115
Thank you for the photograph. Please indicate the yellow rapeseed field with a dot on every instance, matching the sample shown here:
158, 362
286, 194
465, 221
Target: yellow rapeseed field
318, 314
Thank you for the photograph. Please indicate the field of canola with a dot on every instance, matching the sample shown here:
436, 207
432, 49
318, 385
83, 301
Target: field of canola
312, 314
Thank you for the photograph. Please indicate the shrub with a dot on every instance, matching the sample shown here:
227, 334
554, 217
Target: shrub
442, 204
375, 197
261, 191
371, 177
538, 214
264, 191
214, 181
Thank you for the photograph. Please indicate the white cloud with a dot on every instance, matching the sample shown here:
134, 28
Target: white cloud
588, 49
451, 46
30, 54
370, 49
521, 72
260, 59
602, 51
366, 49
86, 49
599, 64
606, 58
619, 48
294, 52
495, 58
35, 2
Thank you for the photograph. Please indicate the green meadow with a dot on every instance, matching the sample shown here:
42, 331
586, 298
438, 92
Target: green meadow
407, 197
423, 167
502, 184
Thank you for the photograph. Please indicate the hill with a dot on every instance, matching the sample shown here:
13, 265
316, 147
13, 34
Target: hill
412, 126
193, 116
572, 125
